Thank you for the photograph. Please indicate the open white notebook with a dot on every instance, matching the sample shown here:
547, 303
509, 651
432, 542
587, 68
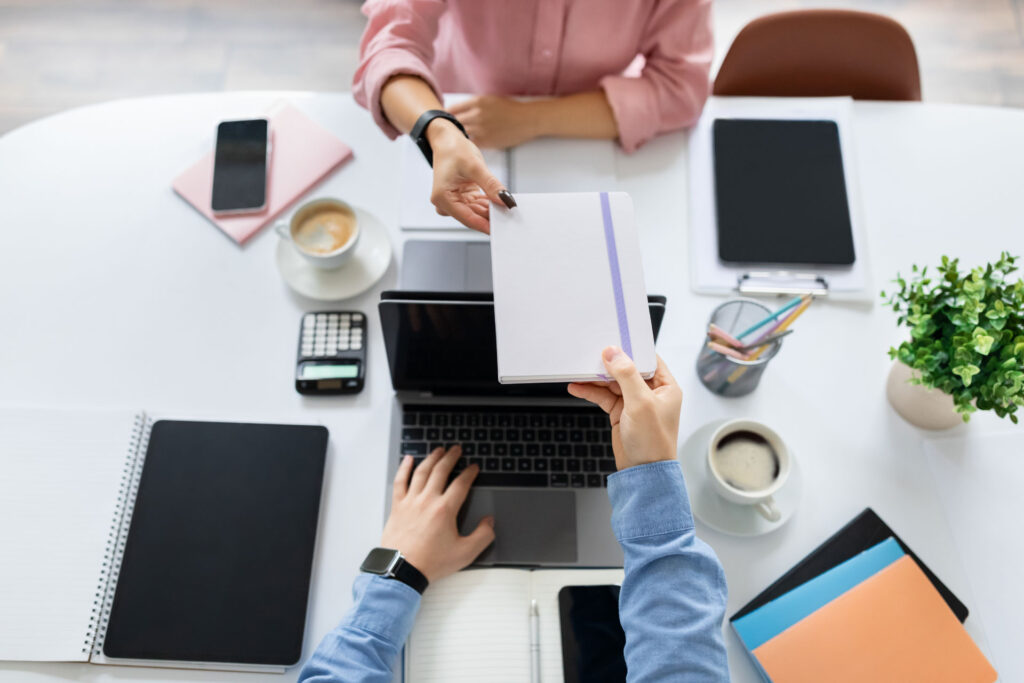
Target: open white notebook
568, 282
474, 625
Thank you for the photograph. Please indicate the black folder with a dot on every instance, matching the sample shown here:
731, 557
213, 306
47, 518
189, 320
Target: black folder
864, 531
219, 553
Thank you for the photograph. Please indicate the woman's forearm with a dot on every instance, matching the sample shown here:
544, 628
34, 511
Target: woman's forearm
403, 98
582, 115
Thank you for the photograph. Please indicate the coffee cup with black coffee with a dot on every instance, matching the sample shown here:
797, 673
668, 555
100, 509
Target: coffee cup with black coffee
323, 231
749, 463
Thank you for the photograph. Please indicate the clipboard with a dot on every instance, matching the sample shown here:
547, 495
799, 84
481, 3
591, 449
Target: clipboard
708, 274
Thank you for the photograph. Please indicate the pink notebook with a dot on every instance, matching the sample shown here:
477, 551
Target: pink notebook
302, 153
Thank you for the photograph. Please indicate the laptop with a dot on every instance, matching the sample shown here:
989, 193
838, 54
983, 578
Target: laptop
544, 456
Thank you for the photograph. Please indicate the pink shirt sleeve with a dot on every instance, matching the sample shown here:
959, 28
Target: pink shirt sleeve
399, 39
675, 82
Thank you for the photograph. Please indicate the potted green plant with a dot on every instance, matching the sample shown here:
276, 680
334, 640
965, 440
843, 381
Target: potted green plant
966, 346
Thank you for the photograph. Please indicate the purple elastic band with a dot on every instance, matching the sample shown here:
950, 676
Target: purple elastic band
613, 261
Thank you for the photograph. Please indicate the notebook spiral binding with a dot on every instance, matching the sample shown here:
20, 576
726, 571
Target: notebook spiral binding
114, 551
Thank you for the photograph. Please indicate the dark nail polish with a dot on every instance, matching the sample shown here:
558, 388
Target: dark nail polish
507, 197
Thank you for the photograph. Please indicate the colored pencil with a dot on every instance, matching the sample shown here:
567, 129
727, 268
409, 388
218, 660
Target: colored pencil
716, 332
763, 341
792, 303
727, 351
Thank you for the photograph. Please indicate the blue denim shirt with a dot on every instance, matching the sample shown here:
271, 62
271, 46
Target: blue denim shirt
671, 604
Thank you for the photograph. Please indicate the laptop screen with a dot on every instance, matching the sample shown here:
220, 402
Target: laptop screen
444, 343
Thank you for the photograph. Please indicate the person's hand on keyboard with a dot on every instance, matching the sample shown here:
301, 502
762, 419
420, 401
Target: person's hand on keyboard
422, 525
644, 414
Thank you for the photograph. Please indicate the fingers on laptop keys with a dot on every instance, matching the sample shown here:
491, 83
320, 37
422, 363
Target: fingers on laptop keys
437, 470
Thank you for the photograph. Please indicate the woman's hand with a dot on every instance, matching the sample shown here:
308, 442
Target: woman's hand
422, 523
460, 175
644, 414
497, 122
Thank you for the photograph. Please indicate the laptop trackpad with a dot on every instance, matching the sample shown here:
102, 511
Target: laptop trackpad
532, 527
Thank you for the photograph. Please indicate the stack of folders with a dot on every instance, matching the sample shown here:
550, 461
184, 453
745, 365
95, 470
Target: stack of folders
860, 608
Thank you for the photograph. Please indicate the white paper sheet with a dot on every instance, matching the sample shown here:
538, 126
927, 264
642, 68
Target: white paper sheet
554, 295
708, 275
979, 478
60, 473
564, 165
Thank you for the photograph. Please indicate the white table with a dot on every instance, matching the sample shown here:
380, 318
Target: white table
114, 292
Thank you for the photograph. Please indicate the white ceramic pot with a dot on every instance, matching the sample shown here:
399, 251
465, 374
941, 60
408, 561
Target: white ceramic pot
920, 406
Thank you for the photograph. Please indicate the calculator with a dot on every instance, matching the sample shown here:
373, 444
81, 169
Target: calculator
332, 353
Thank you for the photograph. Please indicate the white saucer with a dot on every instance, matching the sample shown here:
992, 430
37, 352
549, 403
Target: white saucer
718, 513
368, 264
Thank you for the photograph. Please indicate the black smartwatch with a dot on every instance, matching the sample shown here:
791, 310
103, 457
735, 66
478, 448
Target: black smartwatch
391, 565
419, 131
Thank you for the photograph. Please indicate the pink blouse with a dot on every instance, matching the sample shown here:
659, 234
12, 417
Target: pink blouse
546, 47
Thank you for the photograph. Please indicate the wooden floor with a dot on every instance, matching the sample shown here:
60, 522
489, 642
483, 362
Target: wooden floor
57, 54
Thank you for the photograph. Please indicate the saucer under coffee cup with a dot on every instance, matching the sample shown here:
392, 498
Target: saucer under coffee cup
323, 231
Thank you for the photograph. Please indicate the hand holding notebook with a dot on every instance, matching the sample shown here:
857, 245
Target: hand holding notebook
568, 282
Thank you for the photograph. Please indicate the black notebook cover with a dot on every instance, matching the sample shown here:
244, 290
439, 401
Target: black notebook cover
219, 553
865, 531
780, 193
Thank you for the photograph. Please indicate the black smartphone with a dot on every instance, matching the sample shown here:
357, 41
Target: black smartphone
240, 163
592, 637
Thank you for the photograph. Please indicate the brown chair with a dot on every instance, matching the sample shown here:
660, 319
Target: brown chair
814, 53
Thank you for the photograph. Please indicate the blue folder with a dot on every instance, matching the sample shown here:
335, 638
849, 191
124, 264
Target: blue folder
768, 621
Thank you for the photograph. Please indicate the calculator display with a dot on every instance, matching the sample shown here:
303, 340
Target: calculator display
345, 371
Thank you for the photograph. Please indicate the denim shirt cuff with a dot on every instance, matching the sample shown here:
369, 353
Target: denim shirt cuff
385, 607
648, 500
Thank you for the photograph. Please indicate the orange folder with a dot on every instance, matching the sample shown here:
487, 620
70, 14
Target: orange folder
892, 627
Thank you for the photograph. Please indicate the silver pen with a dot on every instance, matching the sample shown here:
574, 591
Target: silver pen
534, 643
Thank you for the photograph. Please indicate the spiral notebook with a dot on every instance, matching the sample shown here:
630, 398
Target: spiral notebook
127, 540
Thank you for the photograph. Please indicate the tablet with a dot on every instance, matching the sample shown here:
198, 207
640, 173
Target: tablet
780, 193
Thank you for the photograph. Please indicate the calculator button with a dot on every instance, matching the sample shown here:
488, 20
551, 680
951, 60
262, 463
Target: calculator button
331, 349
332, 317
345, 317
356, 345
357, 317
343, 346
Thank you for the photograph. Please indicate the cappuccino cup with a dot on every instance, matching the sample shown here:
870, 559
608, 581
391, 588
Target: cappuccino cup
749, 463
323, 231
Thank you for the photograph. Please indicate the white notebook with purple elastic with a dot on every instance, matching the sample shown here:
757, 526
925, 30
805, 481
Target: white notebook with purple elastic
568, 281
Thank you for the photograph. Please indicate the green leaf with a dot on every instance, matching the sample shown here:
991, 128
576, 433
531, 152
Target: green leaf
966, 372
982, 341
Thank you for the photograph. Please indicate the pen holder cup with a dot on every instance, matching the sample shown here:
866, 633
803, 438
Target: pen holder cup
727, 376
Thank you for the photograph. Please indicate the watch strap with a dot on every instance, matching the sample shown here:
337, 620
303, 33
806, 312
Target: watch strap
419, 130
410, 576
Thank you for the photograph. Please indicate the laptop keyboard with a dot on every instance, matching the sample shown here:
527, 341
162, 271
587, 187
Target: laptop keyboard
550, 446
